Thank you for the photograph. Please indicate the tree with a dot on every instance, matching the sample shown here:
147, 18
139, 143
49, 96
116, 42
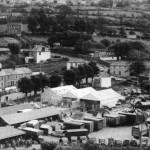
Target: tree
137, 67
14, 48
32, 24
122, 31
25, 85
10, 64
44, 81
42, 20
69, 77
78, 75
55, 81
94, 67
36, 83
106, 3
65, 10
88, 71
78, 46
52, 39
106, 42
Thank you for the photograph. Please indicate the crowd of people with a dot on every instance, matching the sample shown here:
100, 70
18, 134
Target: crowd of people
16, 142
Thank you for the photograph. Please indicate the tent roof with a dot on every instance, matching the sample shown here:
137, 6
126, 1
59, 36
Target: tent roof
9, 131
109, 94
31, 115
63, 89
71, 94
91, 97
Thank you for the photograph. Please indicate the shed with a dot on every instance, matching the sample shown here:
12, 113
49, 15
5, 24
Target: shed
9, 132
18, 118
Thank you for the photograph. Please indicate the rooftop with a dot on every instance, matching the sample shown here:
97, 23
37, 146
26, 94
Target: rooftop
13, 109
9, 131
16, 71
39, 48
31, 115
120, 63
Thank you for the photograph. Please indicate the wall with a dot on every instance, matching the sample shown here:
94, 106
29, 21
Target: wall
105, 82
42, 56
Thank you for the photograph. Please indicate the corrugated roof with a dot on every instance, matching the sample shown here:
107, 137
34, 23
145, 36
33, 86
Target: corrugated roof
9, 131
13, 109
32, 115
6, 72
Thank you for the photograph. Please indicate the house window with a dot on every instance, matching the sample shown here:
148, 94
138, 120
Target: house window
7, 77
39, 53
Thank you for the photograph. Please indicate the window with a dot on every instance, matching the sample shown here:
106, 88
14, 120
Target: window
39, 53
120, 73
7, 77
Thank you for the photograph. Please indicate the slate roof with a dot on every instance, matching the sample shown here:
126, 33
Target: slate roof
16, 71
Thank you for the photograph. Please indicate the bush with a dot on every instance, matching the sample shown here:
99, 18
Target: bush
48, 146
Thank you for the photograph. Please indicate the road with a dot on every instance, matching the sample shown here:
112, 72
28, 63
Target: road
118, 133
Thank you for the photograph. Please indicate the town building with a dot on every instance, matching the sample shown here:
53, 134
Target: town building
120, 68
75, 63
105, 55
10, 77
14, 28
39, 53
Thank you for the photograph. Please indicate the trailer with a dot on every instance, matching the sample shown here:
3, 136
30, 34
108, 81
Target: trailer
115, 119
76, 132
73, 125
140, 130
98, 122
88, 124
131, 118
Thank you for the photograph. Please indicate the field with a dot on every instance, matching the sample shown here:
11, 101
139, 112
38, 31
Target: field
5, 40
99, 38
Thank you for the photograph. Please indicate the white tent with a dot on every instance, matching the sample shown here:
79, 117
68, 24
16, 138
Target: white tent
55, 95
91, 97
50, 96
109, 97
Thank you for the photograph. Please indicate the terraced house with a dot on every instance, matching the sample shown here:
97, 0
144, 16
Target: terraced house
10, 77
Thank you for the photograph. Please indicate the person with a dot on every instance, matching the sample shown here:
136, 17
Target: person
13, 144
60, 141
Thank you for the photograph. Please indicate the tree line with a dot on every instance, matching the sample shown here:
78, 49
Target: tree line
37, 83
73, 76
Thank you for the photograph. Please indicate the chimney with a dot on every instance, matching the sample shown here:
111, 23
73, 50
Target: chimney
0, 67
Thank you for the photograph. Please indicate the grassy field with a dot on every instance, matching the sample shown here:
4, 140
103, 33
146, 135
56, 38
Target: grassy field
39, 38
99, 38
49, 68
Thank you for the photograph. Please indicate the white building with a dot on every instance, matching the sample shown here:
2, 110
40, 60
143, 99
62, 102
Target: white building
120, 68
40, 53
103, 82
